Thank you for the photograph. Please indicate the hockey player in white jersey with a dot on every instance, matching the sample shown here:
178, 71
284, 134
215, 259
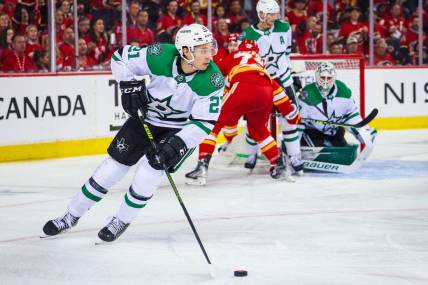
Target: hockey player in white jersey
181, 105
324, 146
274, 38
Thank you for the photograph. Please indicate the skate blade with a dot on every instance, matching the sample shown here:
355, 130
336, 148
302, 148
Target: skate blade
286, 176
196, 182
45, 236
48, 237
101, 242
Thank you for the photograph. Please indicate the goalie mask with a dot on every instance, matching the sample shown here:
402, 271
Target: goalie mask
267, 7
325, 76
193, 36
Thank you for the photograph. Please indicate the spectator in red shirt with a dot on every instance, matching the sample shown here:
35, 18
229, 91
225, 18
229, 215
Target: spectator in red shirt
410, 39
170, 19
142, 33
152, 7
67, 49
352, 46
41, 58
222, 32
97, 40
354, 27
134, 8
68, 16
195, 12
33, 44
5, 22
236, 13
85, 61
381, 55
83, 10
83, 27
309, 41
5, 44
60, 25
21, 20
6, 38
336, 48
395, 23
315, 8
219, 13
298, 14
17, 61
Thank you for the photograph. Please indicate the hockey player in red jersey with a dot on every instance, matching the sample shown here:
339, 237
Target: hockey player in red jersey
251, 93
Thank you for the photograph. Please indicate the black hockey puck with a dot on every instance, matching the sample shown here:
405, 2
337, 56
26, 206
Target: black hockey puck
240, 273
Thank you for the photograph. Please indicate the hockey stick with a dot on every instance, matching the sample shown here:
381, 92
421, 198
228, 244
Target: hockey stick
360, 124
177, 194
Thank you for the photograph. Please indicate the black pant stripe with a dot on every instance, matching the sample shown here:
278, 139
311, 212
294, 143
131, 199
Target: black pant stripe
97, 186
289, 132
136, 196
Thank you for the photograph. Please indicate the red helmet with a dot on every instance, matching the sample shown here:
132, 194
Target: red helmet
233, 37
248, 45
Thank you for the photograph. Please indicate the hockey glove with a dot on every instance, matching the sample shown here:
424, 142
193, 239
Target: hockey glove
293, 116
134, 97
169, 153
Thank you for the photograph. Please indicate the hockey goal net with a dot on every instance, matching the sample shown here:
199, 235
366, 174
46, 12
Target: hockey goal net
349, 69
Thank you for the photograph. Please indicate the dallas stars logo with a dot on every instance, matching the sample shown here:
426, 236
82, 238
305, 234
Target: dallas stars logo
155, 49
162, 107
272, 58
332, 118
121, 145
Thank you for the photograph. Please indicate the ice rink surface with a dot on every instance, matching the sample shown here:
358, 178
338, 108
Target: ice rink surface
370, 227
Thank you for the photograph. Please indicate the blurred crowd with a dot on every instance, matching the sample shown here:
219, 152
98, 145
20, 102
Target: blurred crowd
24, 29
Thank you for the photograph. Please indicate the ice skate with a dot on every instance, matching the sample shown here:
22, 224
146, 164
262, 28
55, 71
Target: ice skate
199, 175
296, 165
280, 171
251, 161
60, 225
223, 147
294, 162
112, 230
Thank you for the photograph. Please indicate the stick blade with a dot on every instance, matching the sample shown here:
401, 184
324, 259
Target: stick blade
212, 270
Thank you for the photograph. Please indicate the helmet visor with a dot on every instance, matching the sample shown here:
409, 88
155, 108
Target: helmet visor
209, 49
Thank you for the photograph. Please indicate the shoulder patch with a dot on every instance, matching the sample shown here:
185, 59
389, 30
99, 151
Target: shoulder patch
160, 58
206, 82
343, 90
217, 80
281, 26
155, 49
250, 34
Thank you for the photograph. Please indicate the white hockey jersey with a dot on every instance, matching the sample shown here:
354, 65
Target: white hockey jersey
189, 102
275, 48
338, 106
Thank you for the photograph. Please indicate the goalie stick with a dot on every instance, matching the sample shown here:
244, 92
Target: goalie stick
360, 124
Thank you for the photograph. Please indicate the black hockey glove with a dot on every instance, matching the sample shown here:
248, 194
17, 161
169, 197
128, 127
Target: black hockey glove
134, 97
170, 151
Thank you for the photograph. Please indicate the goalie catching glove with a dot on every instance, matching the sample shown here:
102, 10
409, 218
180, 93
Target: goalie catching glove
169, 153
134, 97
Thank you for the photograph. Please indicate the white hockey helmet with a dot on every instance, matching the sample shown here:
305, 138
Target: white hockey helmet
325, 75
267, 7
191, 36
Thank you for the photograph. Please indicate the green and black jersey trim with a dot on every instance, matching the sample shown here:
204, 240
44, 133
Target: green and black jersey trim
203, 125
